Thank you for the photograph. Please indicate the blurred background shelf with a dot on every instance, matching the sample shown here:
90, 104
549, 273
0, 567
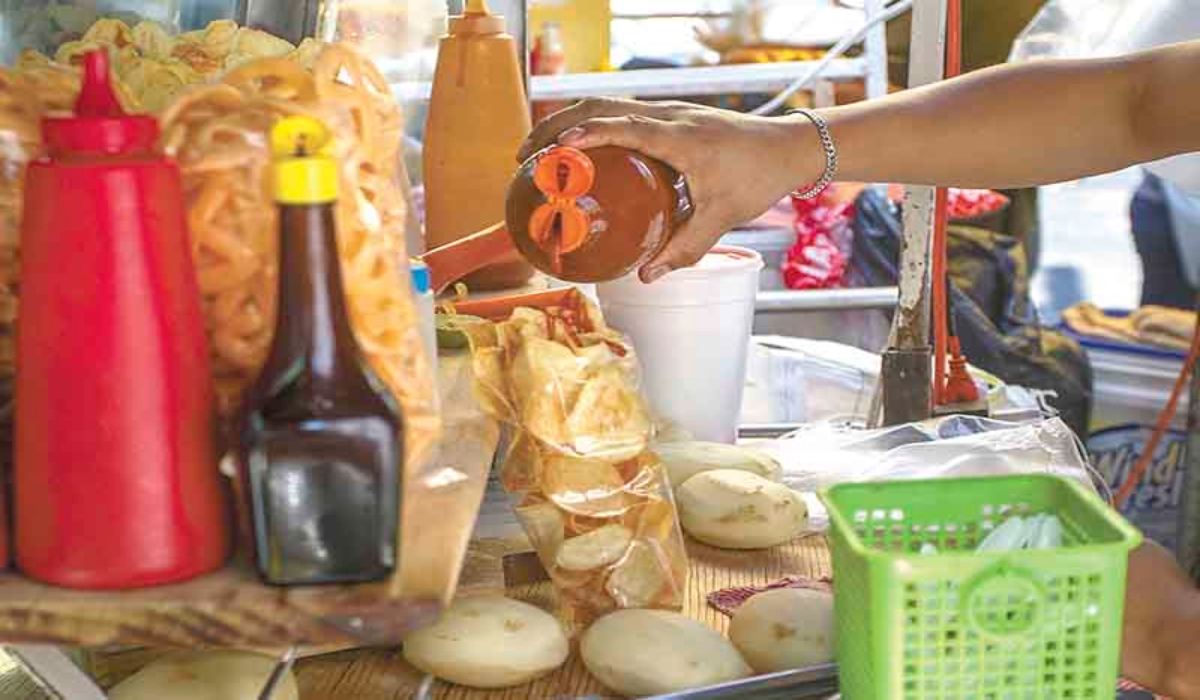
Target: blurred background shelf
667, 82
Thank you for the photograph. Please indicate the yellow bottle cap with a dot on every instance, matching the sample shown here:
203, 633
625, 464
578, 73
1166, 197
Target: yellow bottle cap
305, 171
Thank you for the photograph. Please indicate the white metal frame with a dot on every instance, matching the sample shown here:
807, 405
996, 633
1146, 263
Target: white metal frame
668, 82
705, 80
927, 54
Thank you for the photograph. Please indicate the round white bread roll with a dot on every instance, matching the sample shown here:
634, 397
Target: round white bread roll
489, 642
651, 652
736, 509
687, 459
205, 675
784, 629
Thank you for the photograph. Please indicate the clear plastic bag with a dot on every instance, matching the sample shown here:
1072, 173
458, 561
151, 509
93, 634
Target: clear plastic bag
607, 534
565, 378
592, 497
824, 454
20, 111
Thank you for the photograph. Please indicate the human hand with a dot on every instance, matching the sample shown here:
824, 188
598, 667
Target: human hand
1161, 625
736, 166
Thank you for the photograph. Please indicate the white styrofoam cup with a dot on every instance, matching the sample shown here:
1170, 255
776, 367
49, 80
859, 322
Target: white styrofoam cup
691, 330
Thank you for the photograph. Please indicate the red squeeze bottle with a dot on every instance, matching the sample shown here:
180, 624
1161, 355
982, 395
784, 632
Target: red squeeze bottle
115, 477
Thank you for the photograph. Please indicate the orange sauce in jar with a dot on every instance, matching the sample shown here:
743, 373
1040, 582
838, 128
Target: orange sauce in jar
595, 215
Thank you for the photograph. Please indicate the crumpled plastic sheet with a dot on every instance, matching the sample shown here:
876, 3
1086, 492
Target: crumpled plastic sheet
824, 454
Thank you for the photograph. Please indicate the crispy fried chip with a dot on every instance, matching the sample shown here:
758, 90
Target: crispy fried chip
30, 59
250, 44
152, 40
545, 379
609, 419
544, 525
110, 31
306, 53
197, 57
584, 486
488, 366
522, 470
71, 53
158, 82
594, 550
527, 323
582, 524
217, 37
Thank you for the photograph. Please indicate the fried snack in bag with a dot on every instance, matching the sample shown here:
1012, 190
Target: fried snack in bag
596, 549
639, 578
588, 487
20, 141
565, 378
595, 501
152, 67
152, 41
219, 135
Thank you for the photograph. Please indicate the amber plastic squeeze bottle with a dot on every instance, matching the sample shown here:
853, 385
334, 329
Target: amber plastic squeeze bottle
478, 117
320, 439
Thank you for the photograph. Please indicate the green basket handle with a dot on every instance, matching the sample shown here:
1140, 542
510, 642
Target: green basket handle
1003, 600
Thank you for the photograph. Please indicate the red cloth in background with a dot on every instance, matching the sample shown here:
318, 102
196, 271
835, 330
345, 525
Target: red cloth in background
819, 258
970, 204
817, 261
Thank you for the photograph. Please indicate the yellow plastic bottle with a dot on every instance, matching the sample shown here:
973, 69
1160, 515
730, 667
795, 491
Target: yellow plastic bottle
478, 117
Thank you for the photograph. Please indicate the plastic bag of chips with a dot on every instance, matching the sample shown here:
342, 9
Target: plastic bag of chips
593, 498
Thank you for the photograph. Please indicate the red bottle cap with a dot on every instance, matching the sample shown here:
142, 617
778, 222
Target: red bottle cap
99, 125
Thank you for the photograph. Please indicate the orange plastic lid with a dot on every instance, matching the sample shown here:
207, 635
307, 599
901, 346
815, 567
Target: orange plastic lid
563, 175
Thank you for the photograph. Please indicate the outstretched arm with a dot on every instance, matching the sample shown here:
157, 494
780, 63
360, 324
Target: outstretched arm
1008, 126
1028, 124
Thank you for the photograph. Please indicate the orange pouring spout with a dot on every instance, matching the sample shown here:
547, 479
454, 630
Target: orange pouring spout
453, 261
560, 226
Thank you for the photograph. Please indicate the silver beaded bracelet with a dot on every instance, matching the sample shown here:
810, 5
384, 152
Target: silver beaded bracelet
830, 155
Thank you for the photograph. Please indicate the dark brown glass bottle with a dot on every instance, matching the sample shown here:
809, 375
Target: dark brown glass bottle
321, 438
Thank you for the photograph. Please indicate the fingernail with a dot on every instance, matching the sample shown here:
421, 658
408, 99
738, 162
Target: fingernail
575, 133
651, 274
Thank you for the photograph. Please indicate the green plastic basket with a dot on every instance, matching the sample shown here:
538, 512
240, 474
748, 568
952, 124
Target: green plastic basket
1028, 624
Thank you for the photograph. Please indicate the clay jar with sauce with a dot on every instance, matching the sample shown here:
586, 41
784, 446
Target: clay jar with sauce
631, 205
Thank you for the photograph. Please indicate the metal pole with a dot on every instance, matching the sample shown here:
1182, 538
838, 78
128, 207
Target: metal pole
906, 380
876, 52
